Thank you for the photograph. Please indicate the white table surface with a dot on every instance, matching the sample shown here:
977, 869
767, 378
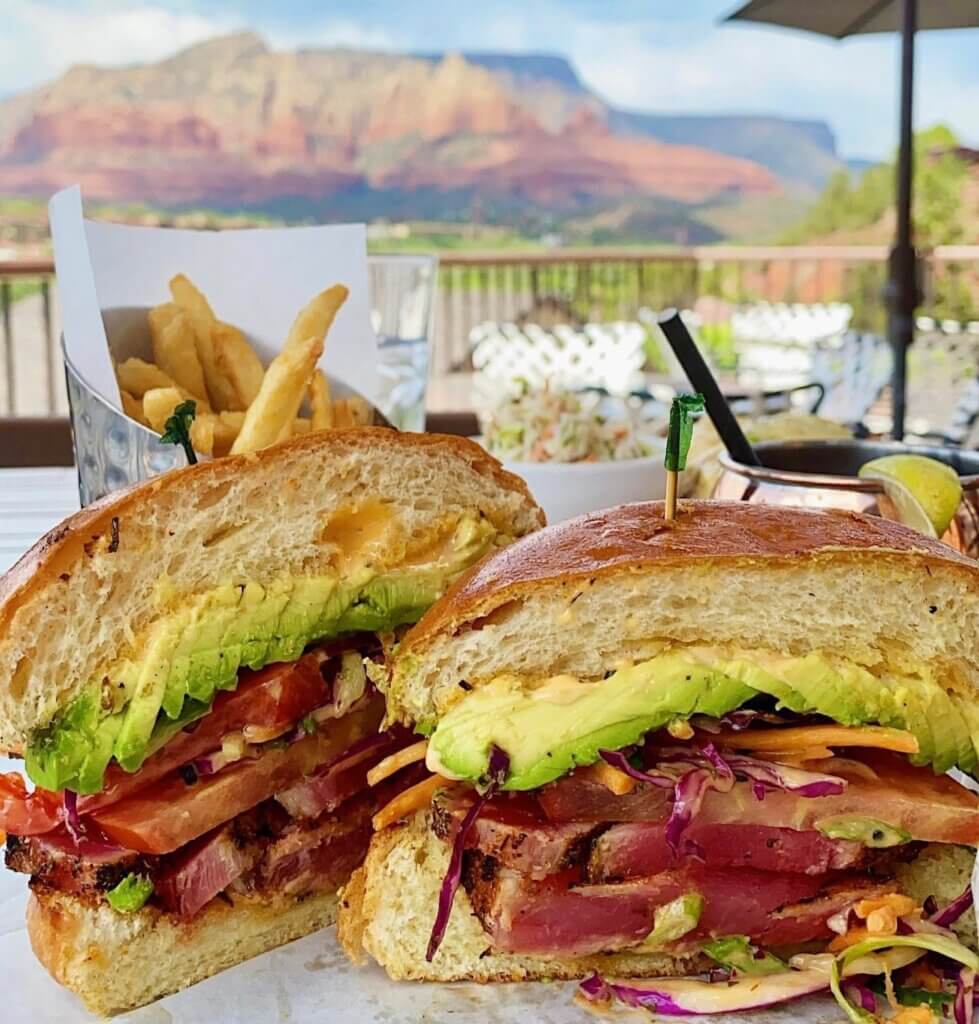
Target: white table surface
31, 502
307, 981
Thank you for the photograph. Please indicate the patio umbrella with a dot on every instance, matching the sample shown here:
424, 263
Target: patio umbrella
843, 18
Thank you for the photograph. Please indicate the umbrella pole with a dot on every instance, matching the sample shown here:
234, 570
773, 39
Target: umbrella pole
902, 293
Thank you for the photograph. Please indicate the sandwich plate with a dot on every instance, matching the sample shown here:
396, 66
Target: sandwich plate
311, 980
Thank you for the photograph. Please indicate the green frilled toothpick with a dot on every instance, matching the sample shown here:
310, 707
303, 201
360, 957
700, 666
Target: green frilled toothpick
678, 444
177, 429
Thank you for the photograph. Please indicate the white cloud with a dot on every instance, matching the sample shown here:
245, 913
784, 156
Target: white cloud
335, 32
41, 39
852, 86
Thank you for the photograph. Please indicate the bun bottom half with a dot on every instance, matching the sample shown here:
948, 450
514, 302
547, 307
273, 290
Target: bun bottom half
116, 962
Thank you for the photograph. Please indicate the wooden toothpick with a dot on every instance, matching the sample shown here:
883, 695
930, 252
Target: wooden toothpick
678, 444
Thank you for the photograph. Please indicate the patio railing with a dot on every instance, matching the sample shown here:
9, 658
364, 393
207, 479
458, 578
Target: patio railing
544, 287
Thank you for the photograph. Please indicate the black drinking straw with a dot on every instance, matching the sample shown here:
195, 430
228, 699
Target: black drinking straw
702, 380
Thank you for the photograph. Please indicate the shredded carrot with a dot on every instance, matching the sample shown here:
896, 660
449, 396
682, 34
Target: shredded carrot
851, 938
396, 761
882, 921
412, 799
820, 736
613, 779
914, 1015
894, 901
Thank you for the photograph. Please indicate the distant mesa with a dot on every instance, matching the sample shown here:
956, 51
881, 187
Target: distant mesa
231, 123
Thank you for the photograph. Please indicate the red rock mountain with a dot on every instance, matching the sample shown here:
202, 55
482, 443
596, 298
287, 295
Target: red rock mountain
232, 123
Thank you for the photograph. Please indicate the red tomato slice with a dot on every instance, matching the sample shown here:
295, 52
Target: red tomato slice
27, 814
169, 814
275, 695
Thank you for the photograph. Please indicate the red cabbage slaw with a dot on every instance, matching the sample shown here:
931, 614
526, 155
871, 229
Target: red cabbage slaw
499, 765
695, 996
962, 1007
682, 997
708, 769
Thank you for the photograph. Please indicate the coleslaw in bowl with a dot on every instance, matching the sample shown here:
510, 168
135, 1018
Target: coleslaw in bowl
578, 452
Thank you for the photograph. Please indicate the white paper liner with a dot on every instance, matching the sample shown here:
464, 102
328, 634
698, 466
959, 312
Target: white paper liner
257, 279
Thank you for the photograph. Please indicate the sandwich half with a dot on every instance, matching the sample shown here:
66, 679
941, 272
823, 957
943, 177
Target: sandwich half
182, 670
659, 747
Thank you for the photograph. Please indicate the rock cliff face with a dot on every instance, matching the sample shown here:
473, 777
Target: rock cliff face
232, 123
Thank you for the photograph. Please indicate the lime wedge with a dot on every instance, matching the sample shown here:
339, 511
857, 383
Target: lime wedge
925, 492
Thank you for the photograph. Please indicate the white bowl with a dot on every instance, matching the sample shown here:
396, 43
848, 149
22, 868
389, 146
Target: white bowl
568, 489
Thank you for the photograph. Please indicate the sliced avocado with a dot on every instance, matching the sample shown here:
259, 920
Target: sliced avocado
185, 626
547, 737
129, 748
92, 770
59, 751
285, 648
952, 740
547, 732
302, 614
755, 676
909, 711
198, 649
722, 692
970, 715
842, 696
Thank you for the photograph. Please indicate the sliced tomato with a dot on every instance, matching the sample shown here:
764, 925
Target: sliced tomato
27, 814
170, 813
275, 695
930, 808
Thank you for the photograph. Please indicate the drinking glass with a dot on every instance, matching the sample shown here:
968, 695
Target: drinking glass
402, 290
823, 474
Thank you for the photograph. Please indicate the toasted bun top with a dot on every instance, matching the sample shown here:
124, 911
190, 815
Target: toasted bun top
67, 606
723, 572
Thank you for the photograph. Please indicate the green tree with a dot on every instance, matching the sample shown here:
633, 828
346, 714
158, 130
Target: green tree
848, 204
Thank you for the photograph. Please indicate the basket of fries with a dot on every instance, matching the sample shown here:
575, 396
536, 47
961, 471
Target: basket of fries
244, 361
180, 351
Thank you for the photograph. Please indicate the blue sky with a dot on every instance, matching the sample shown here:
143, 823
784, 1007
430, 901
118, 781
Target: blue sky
663, 55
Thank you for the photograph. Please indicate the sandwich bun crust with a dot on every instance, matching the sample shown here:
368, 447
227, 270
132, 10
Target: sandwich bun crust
577, 596
71, 601
116, 962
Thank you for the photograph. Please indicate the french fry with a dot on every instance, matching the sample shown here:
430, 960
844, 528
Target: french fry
159, 316
301, 425
202, 433
158, 406
132, 407
317, 316
281, 395
138, 376
285, 433
360, 411
227, 426
192, 301
238, 362
351, 412
175, 348
319, 401
341, 415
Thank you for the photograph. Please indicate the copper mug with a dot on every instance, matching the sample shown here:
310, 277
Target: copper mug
823, 474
